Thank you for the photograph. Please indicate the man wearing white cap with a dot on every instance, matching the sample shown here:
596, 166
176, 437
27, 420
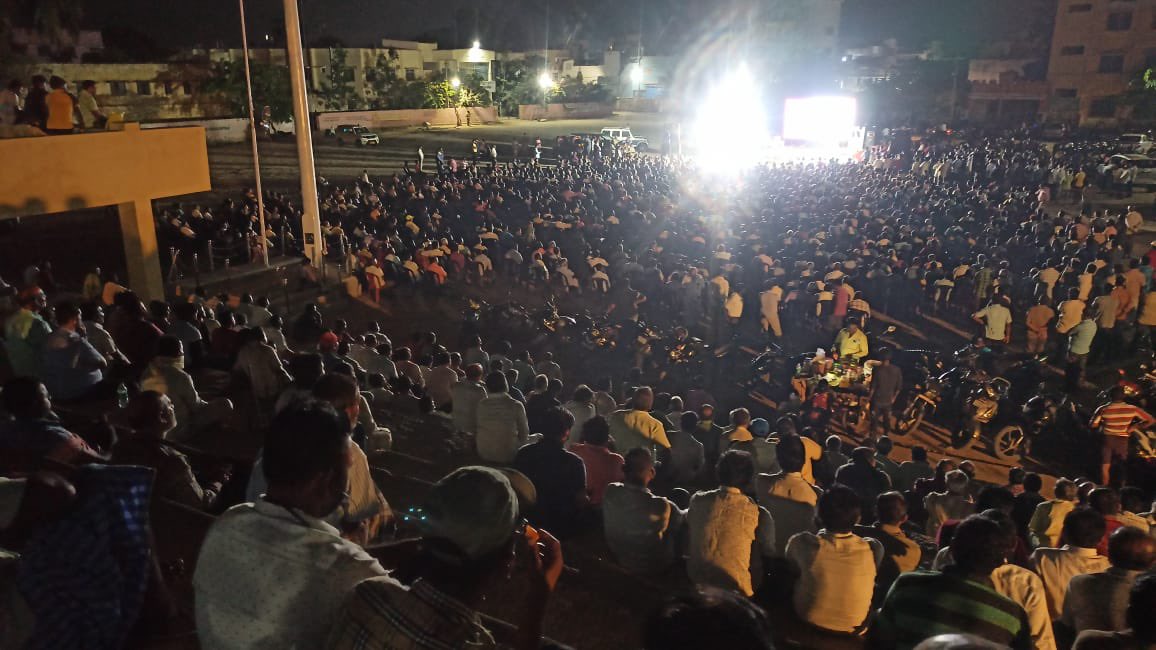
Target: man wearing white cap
471, 533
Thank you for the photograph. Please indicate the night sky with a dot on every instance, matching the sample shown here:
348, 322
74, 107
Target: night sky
499, 23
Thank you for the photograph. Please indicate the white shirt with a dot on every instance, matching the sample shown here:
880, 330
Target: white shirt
501, 428
1057, 567
268, 577
729, 534
836, 579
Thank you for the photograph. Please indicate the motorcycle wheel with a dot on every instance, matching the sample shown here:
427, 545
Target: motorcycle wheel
965, 436
911, 418
852, 419
1009, 443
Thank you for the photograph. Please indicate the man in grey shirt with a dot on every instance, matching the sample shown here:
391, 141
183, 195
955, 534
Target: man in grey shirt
1098, 601
642, 529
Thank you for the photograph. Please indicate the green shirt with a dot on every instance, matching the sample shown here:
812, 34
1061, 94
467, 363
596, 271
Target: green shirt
1080, 338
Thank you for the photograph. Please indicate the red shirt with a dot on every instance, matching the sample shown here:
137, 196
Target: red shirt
603, 467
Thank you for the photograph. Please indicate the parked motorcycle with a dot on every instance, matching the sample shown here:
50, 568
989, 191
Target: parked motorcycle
1015, 439
979, 412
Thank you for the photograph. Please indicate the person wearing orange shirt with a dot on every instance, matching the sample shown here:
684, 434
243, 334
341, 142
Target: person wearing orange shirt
61, 106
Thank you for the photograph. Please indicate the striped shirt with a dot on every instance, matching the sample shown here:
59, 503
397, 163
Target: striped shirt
383, 613
925, 604
1116, 418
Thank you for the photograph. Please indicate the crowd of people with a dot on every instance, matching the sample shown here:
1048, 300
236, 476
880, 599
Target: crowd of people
748, 514
48, 105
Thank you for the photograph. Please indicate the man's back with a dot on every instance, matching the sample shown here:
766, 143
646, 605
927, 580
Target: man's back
640, 527
1057, 567
723, 526
1098, 601
501, 427
271, 577
466, 397
837, 578
559, 476
632, 428
922, 604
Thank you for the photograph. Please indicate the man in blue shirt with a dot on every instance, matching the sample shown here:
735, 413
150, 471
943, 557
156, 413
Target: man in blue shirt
70, 366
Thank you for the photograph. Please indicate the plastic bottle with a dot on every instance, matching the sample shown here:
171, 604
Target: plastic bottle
122, 395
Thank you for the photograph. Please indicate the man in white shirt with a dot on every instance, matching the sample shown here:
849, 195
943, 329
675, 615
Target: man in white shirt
836, 567
642, 529
1097, 601
501, 427
467, 394
996, 319
955, 503
91, 116
272, 574
1083, 530
729, 534
788, 484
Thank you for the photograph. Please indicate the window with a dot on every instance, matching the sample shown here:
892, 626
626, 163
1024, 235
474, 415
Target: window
410, 74
187, 87
117, 88
1103, 107
168, 87
1071, 50
1066, 93
144, 88
1080, 8
1120, 21
1111, 63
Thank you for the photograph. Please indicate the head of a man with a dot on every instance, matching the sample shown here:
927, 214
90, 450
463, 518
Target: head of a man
596, 431
957, 482
340, 391
170, 347
791, 453
1141, 604
496, 383
735, 469
979, 546
474, 372
67, 315
1083, 527
708, 618
26, 398
1105, 501
638, 468
839, 509
643, 399
1131, 550
306, 458
891, 508
556, 425
150, 414
1066, 490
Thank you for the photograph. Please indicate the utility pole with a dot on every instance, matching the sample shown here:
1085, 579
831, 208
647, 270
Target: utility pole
310, 219
253, 139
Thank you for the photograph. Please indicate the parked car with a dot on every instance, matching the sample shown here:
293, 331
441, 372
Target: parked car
617, 134
353, 134
1145, 168
1136, 143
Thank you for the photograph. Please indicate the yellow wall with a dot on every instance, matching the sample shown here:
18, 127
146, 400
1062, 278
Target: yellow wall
59, 173
127, 169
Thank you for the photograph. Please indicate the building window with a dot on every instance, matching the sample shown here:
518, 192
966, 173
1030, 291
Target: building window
410, 74
1111, 63
144, 88
168, 87
1071, 50
1066, 93
1103, 107
187, 87
1080, 8
117, 88
1120, 21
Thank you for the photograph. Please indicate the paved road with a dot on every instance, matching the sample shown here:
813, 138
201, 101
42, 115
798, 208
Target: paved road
231, 165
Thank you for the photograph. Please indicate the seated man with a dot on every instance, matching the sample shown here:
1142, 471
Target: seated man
34, 433
559, 477
1141, 632
71, 367
150, 416
1083, 528
1097, 601
1048, 518
273, 573
901, 554
789, 483
166, 375
470, 538
642, 529
729, 534
836, 567
958, 600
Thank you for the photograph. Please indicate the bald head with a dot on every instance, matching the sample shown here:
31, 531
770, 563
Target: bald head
1131, 550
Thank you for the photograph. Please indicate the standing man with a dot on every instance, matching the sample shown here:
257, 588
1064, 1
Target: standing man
1038, 318
441, 161
420, 159
886, 382
769, 307
851, 343
996, 319
1115, 420
1079, 347
91, 117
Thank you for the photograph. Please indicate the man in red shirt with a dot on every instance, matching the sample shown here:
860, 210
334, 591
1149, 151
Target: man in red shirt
1115, 420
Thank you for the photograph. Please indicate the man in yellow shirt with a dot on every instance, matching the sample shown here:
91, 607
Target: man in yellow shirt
60, 108
635, 426
851, 343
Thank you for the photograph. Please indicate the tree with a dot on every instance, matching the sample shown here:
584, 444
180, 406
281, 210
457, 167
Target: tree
270, 88
516, 82
382, 79
337, 90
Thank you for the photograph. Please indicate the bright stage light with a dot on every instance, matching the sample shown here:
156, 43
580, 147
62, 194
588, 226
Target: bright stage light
545, 80
730, 129
636, 74
822, 120
456, 83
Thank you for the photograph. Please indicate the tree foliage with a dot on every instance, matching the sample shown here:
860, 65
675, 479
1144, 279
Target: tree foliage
337, 89
270, 88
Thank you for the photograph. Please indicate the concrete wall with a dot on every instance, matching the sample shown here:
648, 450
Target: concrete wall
564, 111
404, 118
219, 130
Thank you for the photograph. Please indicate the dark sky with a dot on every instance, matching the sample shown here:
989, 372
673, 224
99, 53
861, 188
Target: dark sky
500, 23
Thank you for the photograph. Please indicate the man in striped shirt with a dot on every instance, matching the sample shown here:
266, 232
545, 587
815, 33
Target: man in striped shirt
958, 600
1115, 420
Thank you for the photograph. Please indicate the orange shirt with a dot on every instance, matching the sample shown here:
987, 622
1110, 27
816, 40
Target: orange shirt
60, 107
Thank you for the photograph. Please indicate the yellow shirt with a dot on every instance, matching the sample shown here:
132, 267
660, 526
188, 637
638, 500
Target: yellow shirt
633, 428
851, 345
1048, 522
59, 110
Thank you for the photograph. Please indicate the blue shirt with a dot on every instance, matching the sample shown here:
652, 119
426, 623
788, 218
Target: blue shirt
70, 366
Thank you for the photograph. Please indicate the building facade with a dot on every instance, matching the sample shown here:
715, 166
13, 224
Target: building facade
1098, 47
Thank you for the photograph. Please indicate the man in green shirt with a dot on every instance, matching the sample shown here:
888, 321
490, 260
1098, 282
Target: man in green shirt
1079, 346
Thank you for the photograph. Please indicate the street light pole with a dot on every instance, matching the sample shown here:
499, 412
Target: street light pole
253, 139
310, 219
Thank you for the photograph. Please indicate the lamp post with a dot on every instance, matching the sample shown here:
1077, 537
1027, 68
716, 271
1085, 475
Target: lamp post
253, 139
310, 218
